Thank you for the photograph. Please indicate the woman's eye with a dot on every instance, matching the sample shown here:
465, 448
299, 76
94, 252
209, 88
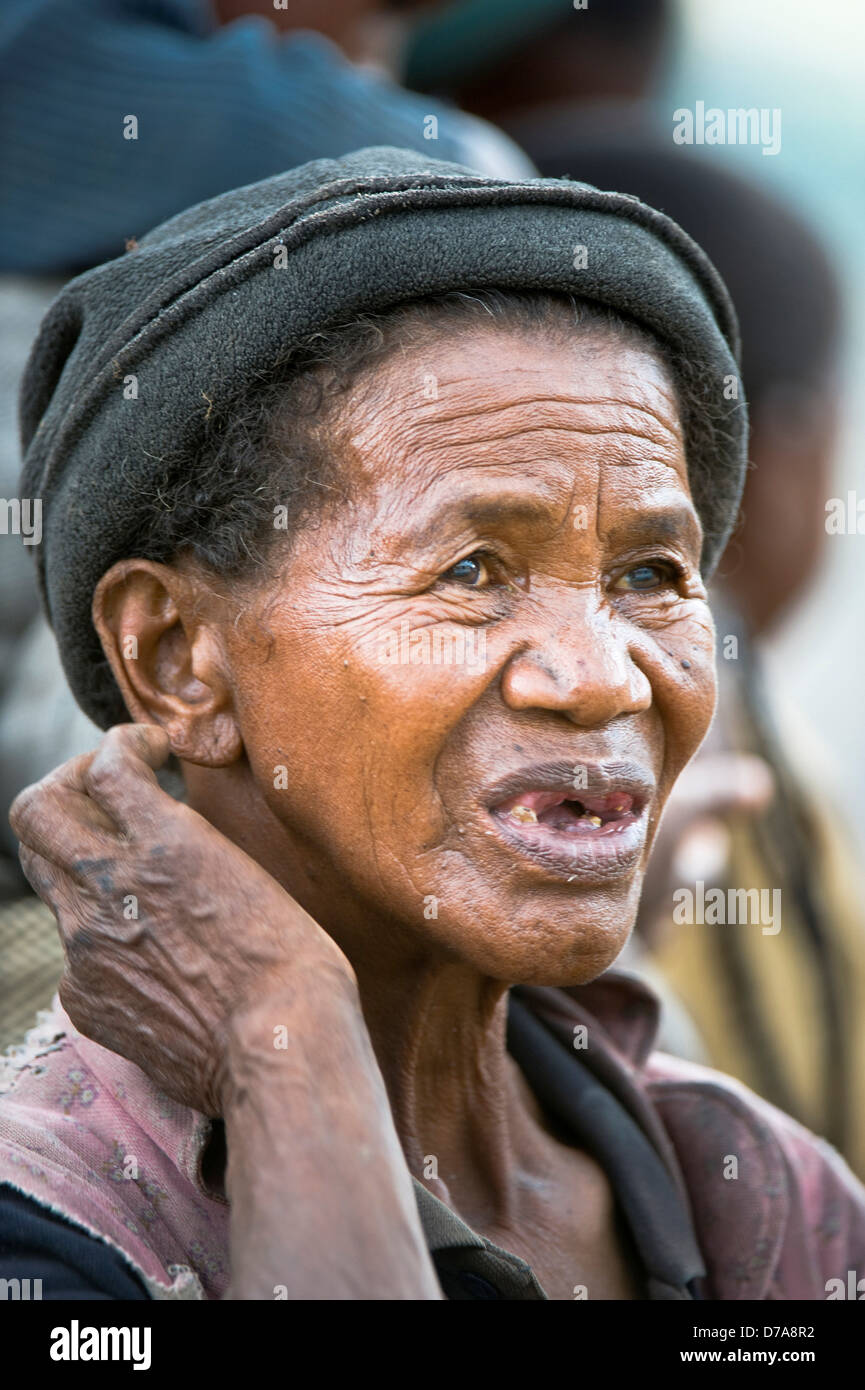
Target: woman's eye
653, 575
473, 572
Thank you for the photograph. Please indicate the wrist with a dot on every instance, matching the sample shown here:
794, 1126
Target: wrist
307, 1010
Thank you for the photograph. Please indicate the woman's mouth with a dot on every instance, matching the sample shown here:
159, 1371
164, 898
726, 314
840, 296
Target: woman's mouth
568, 815
576, 834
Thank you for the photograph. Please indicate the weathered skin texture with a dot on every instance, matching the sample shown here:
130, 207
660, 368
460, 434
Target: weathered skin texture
266, 880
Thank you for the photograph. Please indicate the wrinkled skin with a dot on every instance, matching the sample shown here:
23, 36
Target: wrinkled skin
599, 645
387, 762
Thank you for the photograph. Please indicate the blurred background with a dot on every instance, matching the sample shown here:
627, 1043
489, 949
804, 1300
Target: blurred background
230, 91
810, 66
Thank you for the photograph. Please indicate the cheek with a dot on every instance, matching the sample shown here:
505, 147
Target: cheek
408, 705
678, 655
343, 734
293, 714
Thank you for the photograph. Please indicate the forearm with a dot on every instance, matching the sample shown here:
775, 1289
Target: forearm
322, 1205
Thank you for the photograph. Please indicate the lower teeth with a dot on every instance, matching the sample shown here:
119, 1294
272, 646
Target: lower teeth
584, 825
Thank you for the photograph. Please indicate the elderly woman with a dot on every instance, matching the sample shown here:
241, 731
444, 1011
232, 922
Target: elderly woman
381, 497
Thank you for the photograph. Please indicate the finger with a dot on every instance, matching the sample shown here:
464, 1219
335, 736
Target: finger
121, 778
63, 825
70, 773
29, 799
33, 805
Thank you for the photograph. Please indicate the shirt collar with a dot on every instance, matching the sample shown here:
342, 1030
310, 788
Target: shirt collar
458, 1250
628, 1013
627, 1009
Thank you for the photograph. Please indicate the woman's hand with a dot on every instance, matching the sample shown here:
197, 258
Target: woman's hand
169, 929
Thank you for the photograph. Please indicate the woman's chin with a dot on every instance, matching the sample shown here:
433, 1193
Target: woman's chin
551, 951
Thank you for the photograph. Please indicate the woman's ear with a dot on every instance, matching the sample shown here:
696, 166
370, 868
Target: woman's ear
160, 633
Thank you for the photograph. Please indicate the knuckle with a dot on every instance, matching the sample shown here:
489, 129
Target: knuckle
115, 760
28, 804
26, 856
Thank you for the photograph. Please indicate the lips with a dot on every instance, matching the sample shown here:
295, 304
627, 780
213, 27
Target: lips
582, 820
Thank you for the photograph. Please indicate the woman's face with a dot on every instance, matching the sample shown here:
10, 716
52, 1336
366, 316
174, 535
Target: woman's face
489, 661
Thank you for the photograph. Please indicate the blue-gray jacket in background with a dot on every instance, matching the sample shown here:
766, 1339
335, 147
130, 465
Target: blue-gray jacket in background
215, 106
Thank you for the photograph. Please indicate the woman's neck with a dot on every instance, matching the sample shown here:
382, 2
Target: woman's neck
468, 1122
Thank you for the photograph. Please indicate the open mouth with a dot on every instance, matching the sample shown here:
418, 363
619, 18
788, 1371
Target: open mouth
565, 814
594, 833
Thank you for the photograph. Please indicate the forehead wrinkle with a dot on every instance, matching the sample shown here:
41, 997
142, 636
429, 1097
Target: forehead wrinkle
393, 412
429, 470
618, 451
431, 416
408, 447
410, 451
598, 432
625, 369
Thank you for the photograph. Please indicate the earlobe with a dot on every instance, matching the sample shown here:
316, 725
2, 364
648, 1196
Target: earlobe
166, 654
208, 742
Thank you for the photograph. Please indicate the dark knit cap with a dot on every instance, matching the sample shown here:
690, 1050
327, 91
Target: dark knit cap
207, 301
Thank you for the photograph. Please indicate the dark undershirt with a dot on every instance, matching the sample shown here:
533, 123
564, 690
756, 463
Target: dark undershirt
36, 1243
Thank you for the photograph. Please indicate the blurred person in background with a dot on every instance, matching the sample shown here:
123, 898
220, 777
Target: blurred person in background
118, 113
783, 1012
508, 61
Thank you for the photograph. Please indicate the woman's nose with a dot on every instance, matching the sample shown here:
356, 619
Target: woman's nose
582, 668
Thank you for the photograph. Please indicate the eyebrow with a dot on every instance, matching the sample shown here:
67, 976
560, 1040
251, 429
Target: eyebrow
670, 520
482, 510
